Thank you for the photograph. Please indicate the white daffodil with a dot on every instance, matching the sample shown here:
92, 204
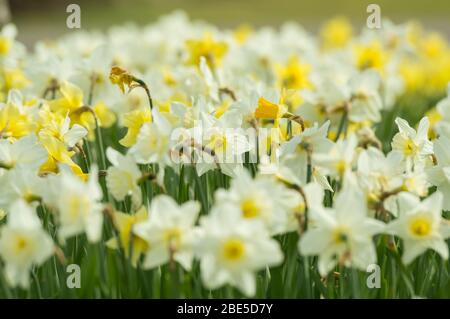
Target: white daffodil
443, 111
169, 232
153, 141
20, 183
379, 174
25, 152
366, 102
339, 158
415, 181
23, 243
342, 234
413, 145
262, 199
231, 249
122, 178
297, 153
71, 135
222, 143
439, 175
420, 226
314, 194
78, 204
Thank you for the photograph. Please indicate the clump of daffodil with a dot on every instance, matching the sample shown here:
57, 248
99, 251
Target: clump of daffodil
336, 33
71, 103
213, 51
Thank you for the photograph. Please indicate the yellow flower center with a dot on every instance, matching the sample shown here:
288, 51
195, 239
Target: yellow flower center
340, 166
21, 244
218, 142
420, 227
410, 147
250, 208
340, 235
370, 56
294, 75
233, 249
172, 236
5, 45
213, 51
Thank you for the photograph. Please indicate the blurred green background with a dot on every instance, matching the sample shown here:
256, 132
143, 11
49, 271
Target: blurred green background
45, 19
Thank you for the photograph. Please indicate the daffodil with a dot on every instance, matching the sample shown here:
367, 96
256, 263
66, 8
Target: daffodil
59, 139
71, 99
20, 184
336, 33
207, 47
366, 102
294, 75
153, 142
25, 152
133, 245
121, 78
260, 199
421, 226
371, 55
133, 121
414, 145
231, 249
15, 122
380, 174
339, 158
342, 234
78, 204
297, 154
23, 244
439, 175
12, 78
59, 127
269, 110
122, 178
169, 232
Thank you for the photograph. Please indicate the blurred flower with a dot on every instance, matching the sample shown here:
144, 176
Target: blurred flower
169, 232
23, 243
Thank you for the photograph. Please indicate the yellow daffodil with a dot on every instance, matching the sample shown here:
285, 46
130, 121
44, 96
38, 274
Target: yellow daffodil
70, 102
133, 121
371, 55
11, 79
293, 75
336, 33
124, 224
269, 110
121, 78
14, 123
242, 33
213, 51
106, 118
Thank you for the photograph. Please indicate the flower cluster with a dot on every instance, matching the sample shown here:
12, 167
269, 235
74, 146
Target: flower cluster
87, 148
